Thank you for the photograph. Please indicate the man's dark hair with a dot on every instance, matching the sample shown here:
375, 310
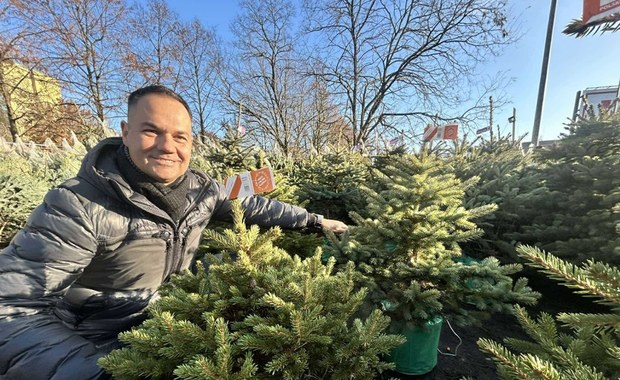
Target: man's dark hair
156, 89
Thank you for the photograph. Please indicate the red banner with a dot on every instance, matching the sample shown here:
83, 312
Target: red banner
595, 10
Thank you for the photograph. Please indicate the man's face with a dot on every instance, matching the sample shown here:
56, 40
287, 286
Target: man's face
158, 136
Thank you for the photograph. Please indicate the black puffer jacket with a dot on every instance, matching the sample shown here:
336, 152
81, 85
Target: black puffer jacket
90, 260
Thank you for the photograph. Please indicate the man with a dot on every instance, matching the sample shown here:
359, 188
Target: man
94, 253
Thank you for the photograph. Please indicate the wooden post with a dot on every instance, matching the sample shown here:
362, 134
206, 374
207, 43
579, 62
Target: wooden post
513, 120
491, 117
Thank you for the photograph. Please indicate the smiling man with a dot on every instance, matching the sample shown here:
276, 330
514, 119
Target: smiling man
94, 253
158, 135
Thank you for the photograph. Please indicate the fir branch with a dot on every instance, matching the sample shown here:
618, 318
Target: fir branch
543, 331
599, 322
503, 357
605, 274
540, 355
569, 274
573, 366
482, 211
523, 346
127, 364
538, 368
203, 368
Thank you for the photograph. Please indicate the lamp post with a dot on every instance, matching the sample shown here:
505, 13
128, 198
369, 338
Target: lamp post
543, 75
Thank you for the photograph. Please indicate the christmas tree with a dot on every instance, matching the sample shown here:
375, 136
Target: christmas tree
590, 349
27, 172
406, 246
506, 179
329, 184
223, 157
325, 184
570, 213
257, 313
231, 155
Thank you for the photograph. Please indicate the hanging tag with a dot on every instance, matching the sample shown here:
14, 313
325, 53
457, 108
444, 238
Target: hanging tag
249, 183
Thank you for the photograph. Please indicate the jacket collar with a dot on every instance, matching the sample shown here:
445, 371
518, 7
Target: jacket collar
99, 167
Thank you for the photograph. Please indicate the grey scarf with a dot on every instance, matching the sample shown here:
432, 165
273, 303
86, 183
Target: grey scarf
170, 198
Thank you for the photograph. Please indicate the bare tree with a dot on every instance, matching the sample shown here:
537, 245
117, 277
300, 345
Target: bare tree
153, 48
412, 58
200, 60
16, 67
80, 48
31, 99
325, 127
267, 82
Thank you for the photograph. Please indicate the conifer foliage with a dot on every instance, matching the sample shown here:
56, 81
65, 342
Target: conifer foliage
506, 179
406, 245
571, 212
330, 183
591, 347
27, 172
258, 313
223, 157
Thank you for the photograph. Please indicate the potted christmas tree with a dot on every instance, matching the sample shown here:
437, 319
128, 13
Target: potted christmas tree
263, 315
405, 246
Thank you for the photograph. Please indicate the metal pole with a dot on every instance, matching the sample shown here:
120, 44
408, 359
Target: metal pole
617, 105
543, 76
576, 106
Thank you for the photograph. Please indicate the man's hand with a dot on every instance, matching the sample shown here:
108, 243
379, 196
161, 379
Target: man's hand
334, 226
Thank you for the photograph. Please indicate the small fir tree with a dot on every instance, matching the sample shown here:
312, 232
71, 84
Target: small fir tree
262, 315
221, 158
26, 174
232, 155
406, 245
590, 349
329, 184
304, 243
506, 180
571, 211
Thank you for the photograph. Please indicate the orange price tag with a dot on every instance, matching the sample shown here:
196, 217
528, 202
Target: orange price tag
262, 180
250, 183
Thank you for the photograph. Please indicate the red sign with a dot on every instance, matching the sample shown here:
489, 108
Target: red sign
595, 10
450, 132
262, 180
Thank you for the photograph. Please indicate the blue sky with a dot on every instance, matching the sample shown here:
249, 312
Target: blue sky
575, 64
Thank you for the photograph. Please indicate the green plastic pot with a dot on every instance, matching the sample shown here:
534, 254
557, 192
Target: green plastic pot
418, 355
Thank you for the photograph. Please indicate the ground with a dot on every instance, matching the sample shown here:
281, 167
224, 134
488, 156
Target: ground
470, 361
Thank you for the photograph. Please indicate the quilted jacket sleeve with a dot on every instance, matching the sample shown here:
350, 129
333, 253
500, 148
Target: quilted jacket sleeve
36, 269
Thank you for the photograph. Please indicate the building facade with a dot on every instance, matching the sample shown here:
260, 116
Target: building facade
596, 99
26, 97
